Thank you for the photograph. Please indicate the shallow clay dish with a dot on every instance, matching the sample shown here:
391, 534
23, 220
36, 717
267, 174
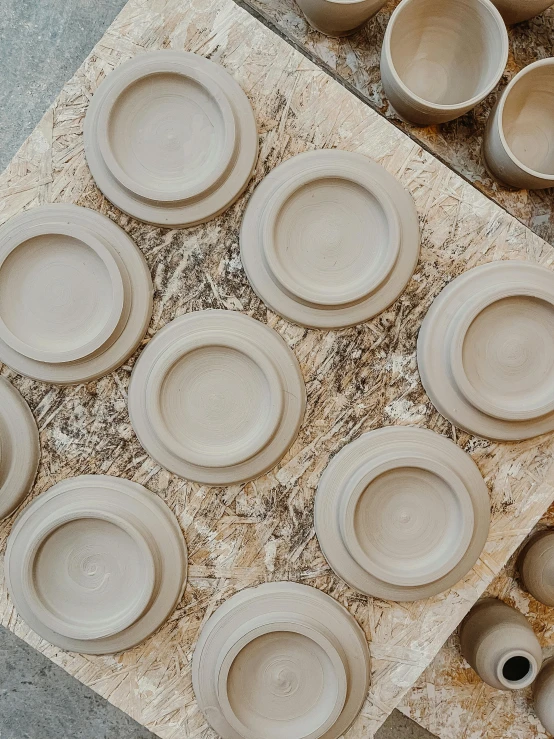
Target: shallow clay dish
402, 513
19, 448
96, 564
486, 351
170, 138
440, 58
329, 239
282, 661
518, 145
339, 17
75, 294
217, 397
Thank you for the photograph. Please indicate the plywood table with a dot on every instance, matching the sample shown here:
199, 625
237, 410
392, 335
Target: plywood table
357, 379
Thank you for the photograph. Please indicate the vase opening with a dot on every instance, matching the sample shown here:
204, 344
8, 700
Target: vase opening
516, 669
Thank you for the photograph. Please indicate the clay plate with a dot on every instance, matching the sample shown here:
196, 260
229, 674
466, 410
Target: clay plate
170, 138
329, 239
282, 661
96, 564
402, 513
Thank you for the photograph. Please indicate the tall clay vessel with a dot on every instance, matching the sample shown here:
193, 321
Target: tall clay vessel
500, 645
339, 17
543, 696
517, 11
536, 567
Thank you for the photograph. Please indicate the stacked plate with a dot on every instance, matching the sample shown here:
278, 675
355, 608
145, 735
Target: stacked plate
75, 294
217, 397
170, 138
486, 351
329, 239
19, 448
96, 564
402, 513
281, 661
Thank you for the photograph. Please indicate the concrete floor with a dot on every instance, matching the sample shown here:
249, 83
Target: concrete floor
42, 43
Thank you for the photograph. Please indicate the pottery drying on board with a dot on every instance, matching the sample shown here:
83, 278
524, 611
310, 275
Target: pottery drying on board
440, 59
516, 11
96, 564
75, 294
329, 239
536, 567
518, 146
19, 448
217, 397
500, 645
170, 138
485, 351
543, 696
339, 17
281, 661
402, 513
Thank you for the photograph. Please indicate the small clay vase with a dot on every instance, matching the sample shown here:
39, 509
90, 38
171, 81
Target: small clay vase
441, 58
500, 645
543, 696
339, 17
536, 567
518, 146
517, 11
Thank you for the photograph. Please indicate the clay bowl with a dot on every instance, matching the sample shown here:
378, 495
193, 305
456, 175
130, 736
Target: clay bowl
217, 397
96, 564
339, 17
516, 11
401, 513
282, 661
329, 239
170, 138
543, 696
19, 448
486, 351
440, 59
519, 140
75, 294
536, 567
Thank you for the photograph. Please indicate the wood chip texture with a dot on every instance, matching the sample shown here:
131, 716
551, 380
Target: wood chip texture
357, 379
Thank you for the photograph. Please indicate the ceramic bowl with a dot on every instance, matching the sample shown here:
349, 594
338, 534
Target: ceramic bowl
440, 59
486, 351
96, 564
402, 513
339, 17
519, 140
170, 138
217, 397
75, 294
516, 11
329, 239
19, 448
282, 661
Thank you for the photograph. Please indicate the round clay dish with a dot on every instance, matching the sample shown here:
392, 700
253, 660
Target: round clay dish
19, 448
282, 661
217, 397
170, 138
69, 315
486, 351
329, 239
96, 564
402, 513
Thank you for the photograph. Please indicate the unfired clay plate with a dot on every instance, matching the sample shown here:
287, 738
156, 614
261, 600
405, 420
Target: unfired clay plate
282, 661
75, 294
19, 448
217, 397
329, 239
486, 351
170, 138
402, 513
96, 564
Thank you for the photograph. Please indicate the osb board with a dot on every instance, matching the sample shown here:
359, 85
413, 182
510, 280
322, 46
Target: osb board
357, 379
451, 701
356, 60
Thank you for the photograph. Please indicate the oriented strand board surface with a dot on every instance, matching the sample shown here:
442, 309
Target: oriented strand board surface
356, 60
452, 702
357, 379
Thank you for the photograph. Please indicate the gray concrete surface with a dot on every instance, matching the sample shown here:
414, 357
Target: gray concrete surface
42, 43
